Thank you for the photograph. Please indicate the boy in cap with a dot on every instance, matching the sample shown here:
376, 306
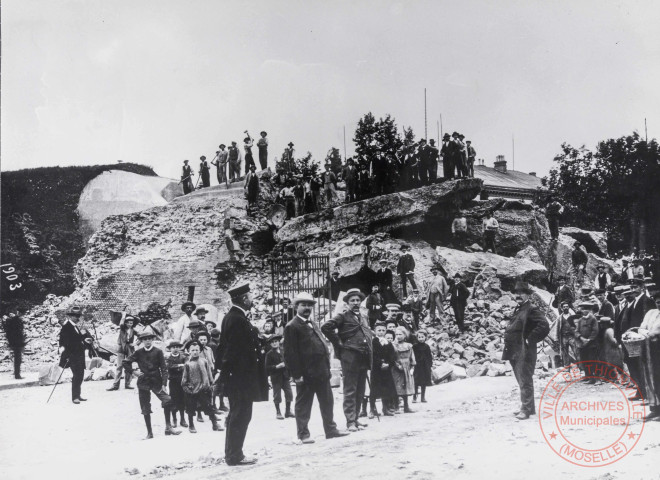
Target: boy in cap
279, 378
416, 305
175, 362
125, 346
196, 383
151, 362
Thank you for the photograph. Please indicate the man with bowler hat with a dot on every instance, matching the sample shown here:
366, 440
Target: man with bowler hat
406, 269
351, 338
447, 157
307, 359
527, 327
239, 365
459, 295
73, 344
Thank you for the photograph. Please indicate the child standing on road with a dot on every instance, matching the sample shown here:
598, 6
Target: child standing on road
196, 382
175, 362
424, 359
151, 362
279, 378
403, 378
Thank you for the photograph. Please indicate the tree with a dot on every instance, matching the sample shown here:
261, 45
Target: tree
373, 137
615, 189
304, 166
333, 157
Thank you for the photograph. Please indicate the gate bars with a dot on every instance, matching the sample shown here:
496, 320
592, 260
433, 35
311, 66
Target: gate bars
294, 274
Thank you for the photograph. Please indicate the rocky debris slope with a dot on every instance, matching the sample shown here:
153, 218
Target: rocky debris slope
520, 225
383, 213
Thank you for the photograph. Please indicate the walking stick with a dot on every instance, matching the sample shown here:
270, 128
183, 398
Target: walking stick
66, 364
370, 393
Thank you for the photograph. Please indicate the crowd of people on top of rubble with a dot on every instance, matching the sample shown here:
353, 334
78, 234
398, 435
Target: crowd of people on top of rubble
414, 165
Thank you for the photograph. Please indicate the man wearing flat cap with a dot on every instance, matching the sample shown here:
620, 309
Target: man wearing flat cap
241, 372
151, 362
73, 344
527, 327
352, 339
307, 359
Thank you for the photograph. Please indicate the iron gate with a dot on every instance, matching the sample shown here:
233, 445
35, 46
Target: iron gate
295, 274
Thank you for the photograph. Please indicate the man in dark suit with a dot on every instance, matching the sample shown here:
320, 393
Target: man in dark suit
459, 295
72, 351
384, 279
307, 359
350, 176
14, 330
563, 294
239, 365
527, 327
639, 304
374, 306
351, 337
447, 157
406, 269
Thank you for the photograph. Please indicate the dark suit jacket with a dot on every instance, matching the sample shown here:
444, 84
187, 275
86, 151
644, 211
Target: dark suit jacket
459, 294
305, 352
406, 264
240, 361
384, 278
351, 338
606, 310
639, 309
528, 326
73, 343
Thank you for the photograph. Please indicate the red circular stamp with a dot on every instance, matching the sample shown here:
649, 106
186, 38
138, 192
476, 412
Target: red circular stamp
591, 425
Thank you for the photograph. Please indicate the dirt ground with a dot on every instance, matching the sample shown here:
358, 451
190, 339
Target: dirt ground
465, 431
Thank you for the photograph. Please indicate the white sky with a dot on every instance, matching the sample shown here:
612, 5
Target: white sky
88, 82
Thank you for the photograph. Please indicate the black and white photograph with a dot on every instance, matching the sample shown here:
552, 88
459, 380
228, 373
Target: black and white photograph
289, 239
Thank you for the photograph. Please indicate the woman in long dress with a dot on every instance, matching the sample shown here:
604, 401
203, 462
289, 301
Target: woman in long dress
402, 371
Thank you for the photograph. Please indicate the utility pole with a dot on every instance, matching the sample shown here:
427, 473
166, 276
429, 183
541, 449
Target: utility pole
441, 130
344, 143
426, 134
513, 148
646, 132
438, 125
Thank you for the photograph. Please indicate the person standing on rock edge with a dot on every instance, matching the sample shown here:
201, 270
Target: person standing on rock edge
527, 327
490, 232
459, 295
459, 231
437, 292
262, 145
220, 162
471, 156
125, 347
251, 189
72, 351
204, 172
307, 359
151, 362
351, 338
447, 157
248, 143
406, 269
433, 156
15, 333
238, 364
235, 158
186, 178
552, 213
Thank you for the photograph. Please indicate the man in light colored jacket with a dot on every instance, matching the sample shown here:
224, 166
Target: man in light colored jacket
437, 293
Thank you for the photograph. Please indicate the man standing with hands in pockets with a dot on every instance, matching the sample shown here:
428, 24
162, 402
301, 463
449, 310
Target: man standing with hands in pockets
349, 333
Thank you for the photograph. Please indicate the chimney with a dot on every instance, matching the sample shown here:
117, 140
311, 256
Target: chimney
500, 164
533, 174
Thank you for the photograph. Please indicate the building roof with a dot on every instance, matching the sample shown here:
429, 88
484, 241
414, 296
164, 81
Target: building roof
510, 179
